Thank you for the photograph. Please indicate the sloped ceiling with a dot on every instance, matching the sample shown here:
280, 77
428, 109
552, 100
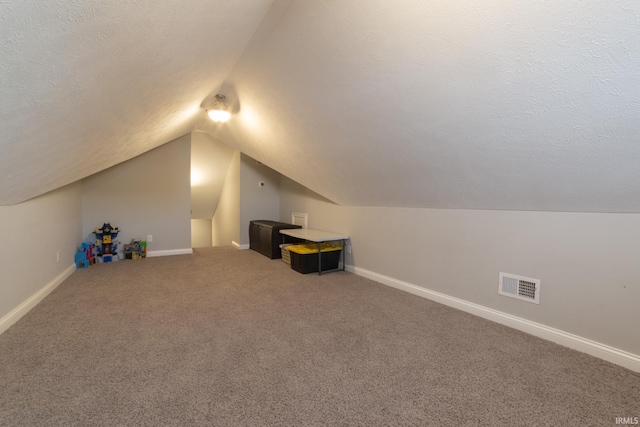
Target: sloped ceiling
454, 104
85, 85
459, 104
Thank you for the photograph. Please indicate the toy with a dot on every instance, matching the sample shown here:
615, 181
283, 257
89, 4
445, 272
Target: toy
106, 245
81, 260
137, 249
85, 256
89, 250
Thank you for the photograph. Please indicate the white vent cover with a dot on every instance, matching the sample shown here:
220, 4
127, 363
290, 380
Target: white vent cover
301, 219
522, 288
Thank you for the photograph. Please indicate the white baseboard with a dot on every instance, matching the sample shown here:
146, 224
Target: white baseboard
239, 246
169, 252
17, 313
596, 349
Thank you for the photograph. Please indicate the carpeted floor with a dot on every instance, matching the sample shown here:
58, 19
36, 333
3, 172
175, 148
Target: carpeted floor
225, 337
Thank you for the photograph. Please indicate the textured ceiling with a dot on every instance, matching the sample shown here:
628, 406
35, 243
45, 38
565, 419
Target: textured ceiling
460, 104
85, 85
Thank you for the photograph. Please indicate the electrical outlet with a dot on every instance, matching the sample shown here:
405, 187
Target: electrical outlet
58, 256
149, 238
348, 249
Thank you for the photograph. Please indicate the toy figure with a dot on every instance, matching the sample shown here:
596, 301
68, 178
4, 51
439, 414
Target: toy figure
105, 240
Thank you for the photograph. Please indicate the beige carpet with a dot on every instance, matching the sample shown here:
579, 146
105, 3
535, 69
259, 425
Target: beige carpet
225, 337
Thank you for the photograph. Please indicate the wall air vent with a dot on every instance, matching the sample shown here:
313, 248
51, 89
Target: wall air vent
522, 288
301, 219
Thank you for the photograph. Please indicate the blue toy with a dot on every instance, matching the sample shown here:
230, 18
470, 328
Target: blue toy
81, 260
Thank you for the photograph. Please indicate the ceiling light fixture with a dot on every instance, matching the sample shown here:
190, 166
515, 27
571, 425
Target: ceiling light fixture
219, 112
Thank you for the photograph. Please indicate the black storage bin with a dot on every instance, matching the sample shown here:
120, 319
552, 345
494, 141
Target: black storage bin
265, 237
308, 263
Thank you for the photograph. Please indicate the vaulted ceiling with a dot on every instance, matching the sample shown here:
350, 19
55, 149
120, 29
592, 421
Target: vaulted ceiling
479, 105
88, 84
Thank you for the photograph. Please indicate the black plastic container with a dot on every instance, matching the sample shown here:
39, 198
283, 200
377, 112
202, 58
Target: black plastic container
265, 237
308, 263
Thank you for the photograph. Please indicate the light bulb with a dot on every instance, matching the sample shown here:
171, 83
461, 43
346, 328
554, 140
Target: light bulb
219, 115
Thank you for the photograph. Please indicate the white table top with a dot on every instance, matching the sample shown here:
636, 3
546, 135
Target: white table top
313, 235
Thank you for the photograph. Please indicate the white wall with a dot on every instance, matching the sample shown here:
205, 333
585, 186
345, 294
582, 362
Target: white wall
587, 263
210, 159
149, 194
257, 202
201, 233
226, 221
32, 233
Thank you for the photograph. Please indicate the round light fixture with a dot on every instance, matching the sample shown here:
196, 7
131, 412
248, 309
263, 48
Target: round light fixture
219, 112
